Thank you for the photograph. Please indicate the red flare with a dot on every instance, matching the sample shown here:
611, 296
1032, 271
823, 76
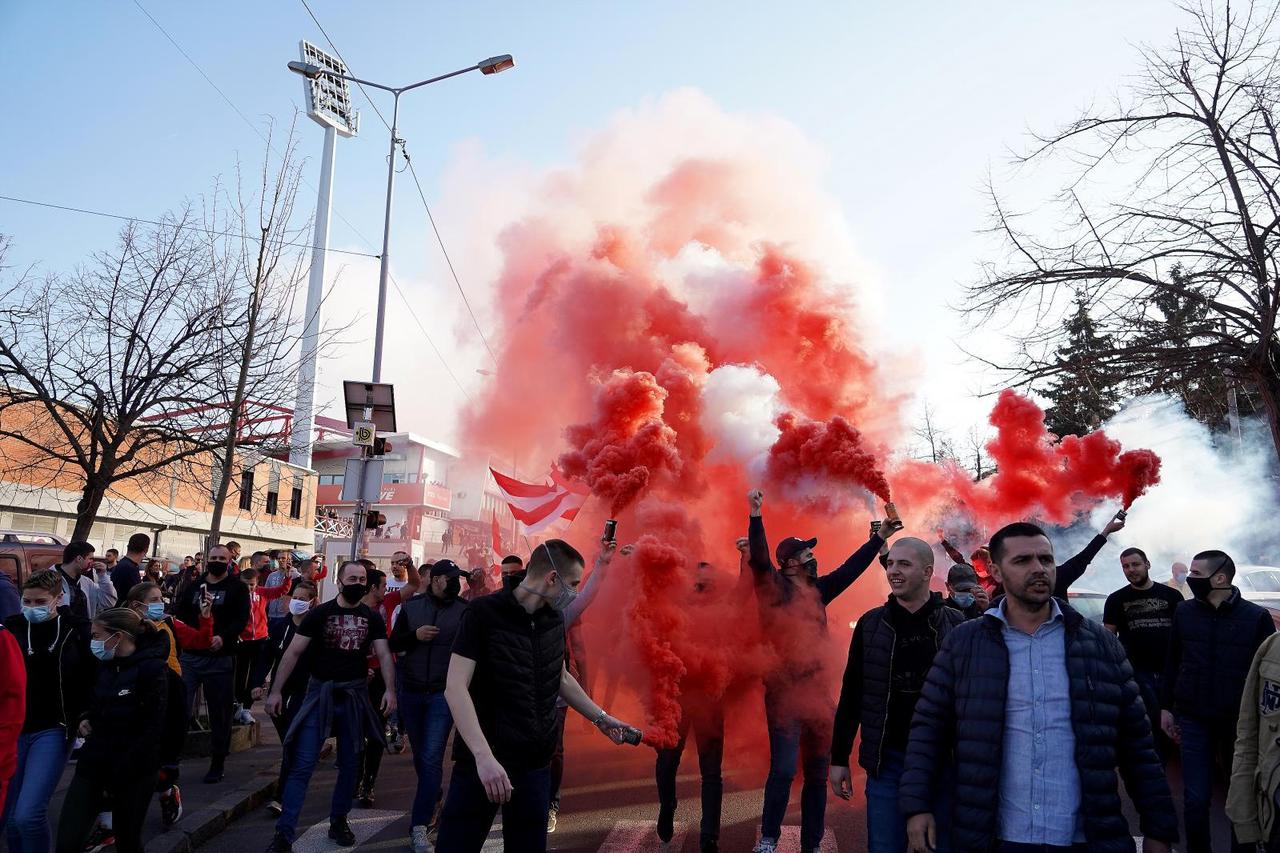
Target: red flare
826, 454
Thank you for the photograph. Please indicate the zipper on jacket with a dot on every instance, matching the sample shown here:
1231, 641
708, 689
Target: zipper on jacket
884, 722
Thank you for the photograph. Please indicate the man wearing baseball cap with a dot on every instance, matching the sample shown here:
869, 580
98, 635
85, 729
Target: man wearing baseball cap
965, 593
793, 599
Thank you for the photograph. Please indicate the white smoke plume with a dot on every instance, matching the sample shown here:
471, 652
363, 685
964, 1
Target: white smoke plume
739, 404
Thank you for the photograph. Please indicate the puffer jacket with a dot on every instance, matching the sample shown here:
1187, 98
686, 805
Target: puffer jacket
1210, 652
1255, 772
127, 710
960, 716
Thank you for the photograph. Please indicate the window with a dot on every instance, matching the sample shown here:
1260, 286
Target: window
246, 490
273, 503
295, 502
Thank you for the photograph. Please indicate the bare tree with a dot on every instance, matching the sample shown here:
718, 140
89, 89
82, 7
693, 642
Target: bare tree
1182, 178
975, 454
936, 445
88, 360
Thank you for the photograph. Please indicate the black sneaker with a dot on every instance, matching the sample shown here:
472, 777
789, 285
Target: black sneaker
100, 837
215, 774
280, 844
171, 806
340, 831
666, 821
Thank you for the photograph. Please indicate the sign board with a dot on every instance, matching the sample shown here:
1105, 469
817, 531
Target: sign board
364, 433
394, 494
362, 481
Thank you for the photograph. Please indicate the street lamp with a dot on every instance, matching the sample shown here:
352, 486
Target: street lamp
492, 65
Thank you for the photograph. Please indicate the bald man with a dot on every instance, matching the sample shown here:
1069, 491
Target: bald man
892, 649
1179, 580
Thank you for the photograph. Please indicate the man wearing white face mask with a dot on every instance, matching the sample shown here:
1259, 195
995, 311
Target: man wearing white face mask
504, 676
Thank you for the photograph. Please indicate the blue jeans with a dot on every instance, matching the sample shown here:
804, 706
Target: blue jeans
1207, 751
42, 756
792, 740
427, 721
303, 752
468, 814
886, 827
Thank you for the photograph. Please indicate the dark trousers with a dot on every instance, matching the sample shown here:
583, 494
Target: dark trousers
1207, 750
428, 721
371, 757
89, 794
794, 739
248, 665
557, 757
708, 732
216, 674
468, 814
1149, 684
1019, 847
176, 722
289, 705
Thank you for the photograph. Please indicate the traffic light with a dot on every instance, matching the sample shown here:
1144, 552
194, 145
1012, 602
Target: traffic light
380, 447
374, 520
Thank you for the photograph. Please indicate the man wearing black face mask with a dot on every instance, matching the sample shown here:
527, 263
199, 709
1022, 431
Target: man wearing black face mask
512, 571
793, 601
1215, 636
340, 635
424, 634
215, 668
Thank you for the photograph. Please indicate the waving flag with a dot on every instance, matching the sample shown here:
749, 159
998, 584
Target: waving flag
538, 506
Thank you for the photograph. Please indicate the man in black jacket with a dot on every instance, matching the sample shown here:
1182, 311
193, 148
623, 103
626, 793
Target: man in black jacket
1037, 708
215, 668
892, 649
1215, 636
127, 572
424, 634
504, 676
965, 593
793, 599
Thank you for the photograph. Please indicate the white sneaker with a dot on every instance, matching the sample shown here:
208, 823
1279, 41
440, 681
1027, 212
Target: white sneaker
244, 717
420, 840
766, 845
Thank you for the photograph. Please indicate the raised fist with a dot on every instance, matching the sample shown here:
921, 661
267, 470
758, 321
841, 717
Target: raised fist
755, 500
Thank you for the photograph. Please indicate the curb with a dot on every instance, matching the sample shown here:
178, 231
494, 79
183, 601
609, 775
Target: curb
203, 824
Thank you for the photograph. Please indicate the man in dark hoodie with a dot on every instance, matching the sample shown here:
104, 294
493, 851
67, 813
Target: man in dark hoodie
424, 634
892, 649
792, 601
215, 667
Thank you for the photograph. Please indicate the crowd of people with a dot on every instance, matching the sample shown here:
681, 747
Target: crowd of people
994, 717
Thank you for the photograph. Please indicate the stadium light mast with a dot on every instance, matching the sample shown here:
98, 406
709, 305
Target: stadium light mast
329, 105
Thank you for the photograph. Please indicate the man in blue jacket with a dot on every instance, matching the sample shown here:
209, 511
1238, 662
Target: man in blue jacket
1038, 709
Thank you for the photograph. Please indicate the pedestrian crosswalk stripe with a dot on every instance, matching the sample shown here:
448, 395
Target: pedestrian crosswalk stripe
633, 836
493, 844
790, 841
365, 825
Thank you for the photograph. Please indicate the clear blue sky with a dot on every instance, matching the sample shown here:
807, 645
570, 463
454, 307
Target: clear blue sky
912, 102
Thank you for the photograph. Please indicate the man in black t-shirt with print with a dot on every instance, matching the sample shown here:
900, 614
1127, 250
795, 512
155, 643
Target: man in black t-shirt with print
1141, 614
337, 638
506, 670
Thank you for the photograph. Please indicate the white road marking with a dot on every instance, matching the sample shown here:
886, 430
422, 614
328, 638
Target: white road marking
365, 825
493, 844
634, 836
790, 841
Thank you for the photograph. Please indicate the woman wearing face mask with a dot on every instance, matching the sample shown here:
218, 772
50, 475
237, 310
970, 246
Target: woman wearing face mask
281, 635
55, 650
147, 601
120, 758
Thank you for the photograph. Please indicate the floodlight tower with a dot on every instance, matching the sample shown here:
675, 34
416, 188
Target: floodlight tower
329, 105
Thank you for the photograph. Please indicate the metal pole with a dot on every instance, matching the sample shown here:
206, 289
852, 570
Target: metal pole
304, 407
386, 246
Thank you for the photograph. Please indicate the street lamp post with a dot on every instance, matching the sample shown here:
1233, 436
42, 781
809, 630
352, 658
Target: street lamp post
492, 65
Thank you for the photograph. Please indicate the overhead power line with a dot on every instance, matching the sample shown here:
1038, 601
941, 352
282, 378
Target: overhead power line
181, 227
421, 195
270, 146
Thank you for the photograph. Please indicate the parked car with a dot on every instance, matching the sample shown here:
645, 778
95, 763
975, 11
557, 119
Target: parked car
23, 552
1261, 585
1089, 602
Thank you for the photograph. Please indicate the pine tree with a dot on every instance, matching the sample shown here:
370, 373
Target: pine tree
1085, 393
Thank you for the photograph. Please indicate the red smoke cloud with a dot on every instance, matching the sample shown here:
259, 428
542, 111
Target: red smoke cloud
634, 277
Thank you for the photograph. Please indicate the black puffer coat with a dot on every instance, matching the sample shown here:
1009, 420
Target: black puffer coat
1210, 653
127, 710
961, 715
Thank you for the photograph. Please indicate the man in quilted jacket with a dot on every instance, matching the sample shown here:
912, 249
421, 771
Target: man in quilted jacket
1038, 709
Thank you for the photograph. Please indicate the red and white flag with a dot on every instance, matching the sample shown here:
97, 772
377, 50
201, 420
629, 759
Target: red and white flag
537, 506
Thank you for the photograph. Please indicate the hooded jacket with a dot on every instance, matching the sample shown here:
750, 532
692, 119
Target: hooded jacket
960, 717
1255, 772
1210, 654
75, 664
127, 710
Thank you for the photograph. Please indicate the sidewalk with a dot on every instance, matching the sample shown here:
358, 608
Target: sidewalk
207, 809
